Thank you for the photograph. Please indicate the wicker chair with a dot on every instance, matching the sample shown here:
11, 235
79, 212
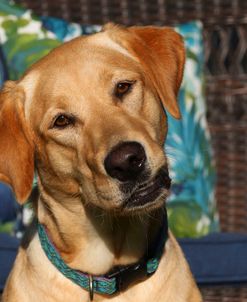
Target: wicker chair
225, 37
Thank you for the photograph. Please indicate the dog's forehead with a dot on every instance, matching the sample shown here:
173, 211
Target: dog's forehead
103, 40
73, 57
87, 49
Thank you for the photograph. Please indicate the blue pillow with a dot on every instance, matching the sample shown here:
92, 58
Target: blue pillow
8, 205
217, 258
8, 250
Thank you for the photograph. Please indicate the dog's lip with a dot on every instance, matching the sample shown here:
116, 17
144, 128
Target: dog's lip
148, 193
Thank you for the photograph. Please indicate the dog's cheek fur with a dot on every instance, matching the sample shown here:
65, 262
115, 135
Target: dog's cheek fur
55, 167
96, 187
154, 113
102, 193
66, 172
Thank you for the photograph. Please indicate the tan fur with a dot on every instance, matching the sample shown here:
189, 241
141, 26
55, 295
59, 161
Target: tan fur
81, 206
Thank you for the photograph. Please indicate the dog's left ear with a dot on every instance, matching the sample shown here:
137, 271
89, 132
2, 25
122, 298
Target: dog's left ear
16, 145
162, 53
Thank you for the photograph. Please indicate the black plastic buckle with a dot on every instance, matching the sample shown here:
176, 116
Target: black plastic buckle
127, 275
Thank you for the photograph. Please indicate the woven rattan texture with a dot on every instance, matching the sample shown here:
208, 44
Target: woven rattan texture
141, 11
224, 294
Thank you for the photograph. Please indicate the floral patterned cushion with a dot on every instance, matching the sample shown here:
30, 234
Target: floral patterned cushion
191, 207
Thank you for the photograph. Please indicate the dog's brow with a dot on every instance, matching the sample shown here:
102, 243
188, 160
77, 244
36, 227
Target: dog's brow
105, 41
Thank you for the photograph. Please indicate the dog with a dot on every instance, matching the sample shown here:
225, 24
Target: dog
90, 119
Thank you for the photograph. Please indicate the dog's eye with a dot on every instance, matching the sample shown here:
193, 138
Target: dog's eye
122, 88
63, 121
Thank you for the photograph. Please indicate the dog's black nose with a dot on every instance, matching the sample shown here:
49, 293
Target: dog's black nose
126, 161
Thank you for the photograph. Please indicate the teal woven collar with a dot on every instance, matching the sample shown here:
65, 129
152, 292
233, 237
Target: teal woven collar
115, 281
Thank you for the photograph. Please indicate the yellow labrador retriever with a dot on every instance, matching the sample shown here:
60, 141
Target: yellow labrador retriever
90, 119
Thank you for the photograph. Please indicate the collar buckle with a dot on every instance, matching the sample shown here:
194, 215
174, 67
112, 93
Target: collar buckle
127, 275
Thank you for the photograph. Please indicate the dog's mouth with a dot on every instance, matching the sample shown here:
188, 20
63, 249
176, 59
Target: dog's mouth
146, 194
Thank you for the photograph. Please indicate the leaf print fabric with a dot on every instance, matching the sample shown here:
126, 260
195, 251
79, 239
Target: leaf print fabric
192, 206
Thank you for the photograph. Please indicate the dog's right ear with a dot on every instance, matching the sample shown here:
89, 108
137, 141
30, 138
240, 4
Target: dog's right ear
161, 52
16, 145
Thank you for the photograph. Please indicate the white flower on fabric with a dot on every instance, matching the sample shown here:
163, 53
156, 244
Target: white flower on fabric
27, 215
74, 32
194, 85
203, 224
197, 160
10, 17
177, 138
34, 27
3, 37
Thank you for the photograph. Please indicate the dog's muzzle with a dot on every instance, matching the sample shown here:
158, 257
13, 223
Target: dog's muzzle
126, 163
150, 191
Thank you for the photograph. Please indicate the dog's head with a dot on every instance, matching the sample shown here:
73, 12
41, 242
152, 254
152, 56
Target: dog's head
91, 116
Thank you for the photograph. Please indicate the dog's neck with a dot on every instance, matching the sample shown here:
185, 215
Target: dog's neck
92, 240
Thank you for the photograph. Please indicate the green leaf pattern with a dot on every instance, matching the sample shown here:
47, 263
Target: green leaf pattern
23, 39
